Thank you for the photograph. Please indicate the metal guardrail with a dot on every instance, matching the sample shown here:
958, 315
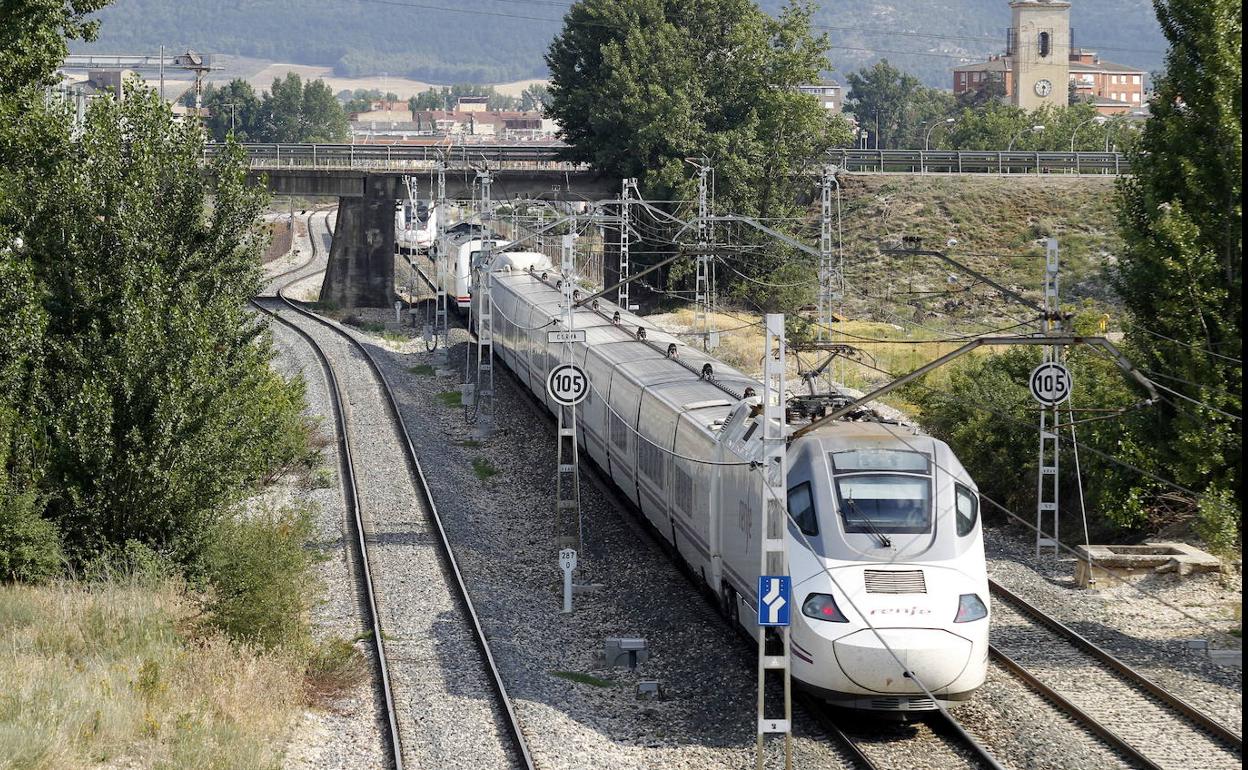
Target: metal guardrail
980, 162
399, 157
402, 157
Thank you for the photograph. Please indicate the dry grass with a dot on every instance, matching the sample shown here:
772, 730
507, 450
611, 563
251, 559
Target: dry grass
742, 348
109, 675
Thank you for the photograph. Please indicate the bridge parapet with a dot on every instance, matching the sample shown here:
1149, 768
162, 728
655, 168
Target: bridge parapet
405, 159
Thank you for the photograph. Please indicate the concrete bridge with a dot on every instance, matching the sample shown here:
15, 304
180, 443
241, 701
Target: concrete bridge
366, 179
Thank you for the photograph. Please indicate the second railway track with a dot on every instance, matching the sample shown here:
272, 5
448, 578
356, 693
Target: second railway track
446, 700
1142, 721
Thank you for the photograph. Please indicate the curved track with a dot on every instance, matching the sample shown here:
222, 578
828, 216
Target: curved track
270, 306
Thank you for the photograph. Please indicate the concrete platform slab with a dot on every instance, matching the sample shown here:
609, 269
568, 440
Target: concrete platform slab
1135, 560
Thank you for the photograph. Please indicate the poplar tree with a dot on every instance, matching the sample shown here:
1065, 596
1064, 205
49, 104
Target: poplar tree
1182, 269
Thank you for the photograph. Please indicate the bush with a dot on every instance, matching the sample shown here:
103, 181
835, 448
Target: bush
989, 419
259, 579
1218, 520
30, 546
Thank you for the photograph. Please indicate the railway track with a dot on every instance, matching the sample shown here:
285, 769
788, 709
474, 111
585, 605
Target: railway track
402, 658
1118, 727
1142, 721
873, 744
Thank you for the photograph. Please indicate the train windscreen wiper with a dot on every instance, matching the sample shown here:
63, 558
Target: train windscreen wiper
884, 541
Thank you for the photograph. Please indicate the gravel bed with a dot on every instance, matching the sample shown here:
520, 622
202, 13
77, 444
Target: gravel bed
1023, 730
307, 287
1154, 730
346, 731
447, 713
502, 529
1138, 629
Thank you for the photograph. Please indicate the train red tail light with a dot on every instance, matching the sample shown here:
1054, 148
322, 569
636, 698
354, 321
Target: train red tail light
970, 607
823, 607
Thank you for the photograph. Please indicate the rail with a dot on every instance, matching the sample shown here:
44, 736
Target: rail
1126, 673
425, 157
351, 496
510, 717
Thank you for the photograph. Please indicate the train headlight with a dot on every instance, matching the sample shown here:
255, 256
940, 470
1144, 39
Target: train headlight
823, 607
970, 607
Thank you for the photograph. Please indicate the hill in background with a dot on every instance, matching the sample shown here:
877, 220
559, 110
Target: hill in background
489, 41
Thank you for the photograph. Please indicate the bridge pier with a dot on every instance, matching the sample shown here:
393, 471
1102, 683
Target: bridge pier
361, 259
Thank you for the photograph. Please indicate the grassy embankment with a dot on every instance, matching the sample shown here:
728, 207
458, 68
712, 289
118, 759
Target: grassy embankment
898, 307
114, 675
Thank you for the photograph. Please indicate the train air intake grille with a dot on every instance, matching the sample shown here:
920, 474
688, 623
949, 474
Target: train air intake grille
895, 582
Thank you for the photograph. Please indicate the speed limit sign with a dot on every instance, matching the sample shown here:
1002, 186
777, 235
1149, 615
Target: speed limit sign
1050, 383
567, 384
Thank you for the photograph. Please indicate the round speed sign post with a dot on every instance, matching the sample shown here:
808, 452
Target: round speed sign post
1050, 383
567, 384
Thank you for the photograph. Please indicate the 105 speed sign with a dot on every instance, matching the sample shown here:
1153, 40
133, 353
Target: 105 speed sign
567, 384
1050, 383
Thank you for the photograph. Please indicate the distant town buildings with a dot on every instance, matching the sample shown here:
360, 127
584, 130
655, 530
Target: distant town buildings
389, 124
1041, 65
828, 92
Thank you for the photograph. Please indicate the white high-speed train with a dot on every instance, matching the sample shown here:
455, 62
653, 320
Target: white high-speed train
415, 225
463, 246
886, 548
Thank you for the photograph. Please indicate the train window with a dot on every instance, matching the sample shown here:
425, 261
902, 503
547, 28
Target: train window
967, 510
651, 460
619, 432
684, 490
802, 509
880, 460
885, 502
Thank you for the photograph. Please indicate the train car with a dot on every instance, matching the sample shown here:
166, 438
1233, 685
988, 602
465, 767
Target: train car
461, 245
415, 224
885, 541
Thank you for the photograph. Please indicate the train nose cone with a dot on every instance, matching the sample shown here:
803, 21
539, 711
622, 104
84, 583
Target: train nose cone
937, 657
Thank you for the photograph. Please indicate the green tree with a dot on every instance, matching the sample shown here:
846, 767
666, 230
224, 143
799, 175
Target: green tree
294, 112
155, 405
535, 98
234, 107
1181, 272
323, 117
878, 96
282, 107
33, 35
638, 87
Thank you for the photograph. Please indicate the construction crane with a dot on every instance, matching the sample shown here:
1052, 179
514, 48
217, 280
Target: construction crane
191, 61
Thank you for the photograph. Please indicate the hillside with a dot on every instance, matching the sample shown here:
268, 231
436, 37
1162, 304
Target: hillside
500, 40
999, 225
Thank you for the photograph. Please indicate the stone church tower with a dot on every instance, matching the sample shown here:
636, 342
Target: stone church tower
1039, 50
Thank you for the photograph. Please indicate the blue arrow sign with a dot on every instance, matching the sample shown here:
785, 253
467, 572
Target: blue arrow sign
774, 599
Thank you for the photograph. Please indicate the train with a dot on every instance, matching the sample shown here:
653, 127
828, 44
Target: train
415, 225
885, 541
463, 244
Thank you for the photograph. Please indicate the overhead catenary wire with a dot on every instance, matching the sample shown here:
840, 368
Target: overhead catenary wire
1207, 352
1143, 592
1031, 426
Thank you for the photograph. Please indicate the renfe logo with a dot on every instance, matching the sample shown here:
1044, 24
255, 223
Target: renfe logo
900, 611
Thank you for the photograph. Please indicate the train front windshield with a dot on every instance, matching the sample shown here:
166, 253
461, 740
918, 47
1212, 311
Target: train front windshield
884, 491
